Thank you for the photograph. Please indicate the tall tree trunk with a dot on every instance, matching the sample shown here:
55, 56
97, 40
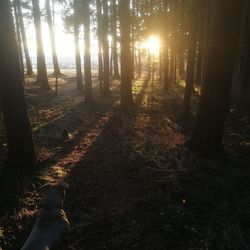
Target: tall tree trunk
19, 41
172, 72
99, 40
105, 46
114, 31
52, 39
245, 52
79, 84
166, 66
111, 61
135, 61
200, 56
138, 38
160, 65
132, 39
214, 103
207, 17
166, 48
42, 76
191, 58
126, 70
139, 62
24, 39
87, 55
18, 131
181, 47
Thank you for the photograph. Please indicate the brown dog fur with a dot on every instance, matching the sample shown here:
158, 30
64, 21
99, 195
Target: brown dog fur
51, 229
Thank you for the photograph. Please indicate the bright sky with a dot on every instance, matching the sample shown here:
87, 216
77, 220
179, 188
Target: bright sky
65, 41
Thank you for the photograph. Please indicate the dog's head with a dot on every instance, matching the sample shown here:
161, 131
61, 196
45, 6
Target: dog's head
53, 195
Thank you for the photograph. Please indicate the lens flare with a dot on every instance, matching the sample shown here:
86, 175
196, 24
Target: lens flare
153, 44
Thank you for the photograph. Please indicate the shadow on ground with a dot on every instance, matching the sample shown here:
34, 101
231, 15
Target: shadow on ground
134, 185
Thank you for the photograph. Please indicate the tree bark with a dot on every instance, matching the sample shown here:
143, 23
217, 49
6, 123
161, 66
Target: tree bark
87, 53
19, 42
201, 34
172, 72
42, 76
139, 62
166, 49
105, 46
181, 47
126, 69
214, 102
99, 38
190, 58
245, 52
114, 31
18, 131
52, 39
132, 31
24, 39
79, 83
166, 67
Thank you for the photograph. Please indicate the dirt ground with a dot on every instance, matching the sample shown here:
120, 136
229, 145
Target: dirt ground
133, 185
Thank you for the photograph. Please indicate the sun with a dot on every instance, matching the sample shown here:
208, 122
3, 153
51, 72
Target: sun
153, 44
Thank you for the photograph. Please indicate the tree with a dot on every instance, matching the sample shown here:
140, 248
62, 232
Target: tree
18, 131
201, 37
191, 57
114, 36
166, 50
172, 41
79, 85
105, 46
99, 39
126, 69
132, 31
87, 55
52, 39
138, 33
245, 51
180, 41
19, 41
42, 76
214, 102
24, 39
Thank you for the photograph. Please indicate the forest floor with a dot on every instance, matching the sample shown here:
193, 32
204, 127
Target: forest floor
133, 185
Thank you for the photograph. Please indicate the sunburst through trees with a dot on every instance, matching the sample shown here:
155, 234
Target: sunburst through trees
80, 73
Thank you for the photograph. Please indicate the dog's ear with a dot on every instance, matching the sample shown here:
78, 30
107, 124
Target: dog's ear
44, 188
64, 185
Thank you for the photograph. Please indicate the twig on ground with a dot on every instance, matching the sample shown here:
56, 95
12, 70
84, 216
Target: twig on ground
164, 170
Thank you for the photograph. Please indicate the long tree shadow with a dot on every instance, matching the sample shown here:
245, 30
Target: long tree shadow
80, 120
84, 123
116, 201
109, 188
65, 132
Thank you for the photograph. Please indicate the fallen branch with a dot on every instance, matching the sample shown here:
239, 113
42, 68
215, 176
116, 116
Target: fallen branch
164, 170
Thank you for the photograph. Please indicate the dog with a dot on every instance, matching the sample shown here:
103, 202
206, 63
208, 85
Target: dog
51, 228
